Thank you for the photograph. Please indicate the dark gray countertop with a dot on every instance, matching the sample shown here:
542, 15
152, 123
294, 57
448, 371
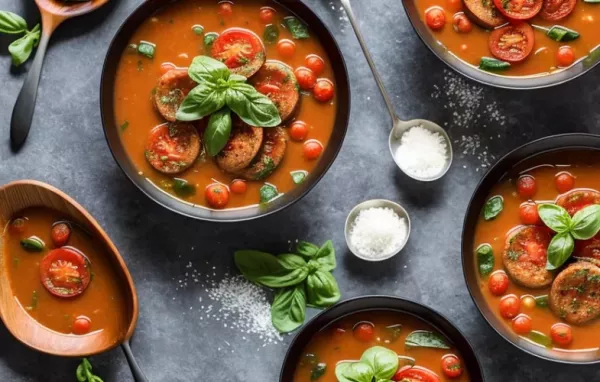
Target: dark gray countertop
67, 149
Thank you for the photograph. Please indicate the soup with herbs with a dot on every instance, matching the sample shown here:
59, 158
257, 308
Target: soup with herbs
380, 346
225, 104
538, 251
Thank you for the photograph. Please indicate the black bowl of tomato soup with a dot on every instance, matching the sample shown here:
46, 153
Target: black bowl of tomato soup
239, 158
532, 287
409, 339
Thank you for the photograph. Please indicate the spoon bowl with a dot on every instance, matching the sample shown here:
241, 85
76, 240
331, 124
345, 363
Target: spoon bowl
68, 10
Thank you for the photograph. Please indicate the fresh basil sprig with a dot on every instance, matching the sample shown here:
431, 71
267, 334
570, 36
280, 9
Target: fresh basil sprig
20, 49
302, 279
584, 225
376, 363
84, 372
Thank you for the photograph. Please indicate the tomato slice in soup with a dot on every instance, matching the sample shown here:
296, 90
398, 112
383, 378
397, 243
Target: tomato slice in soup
65, 272
519, 9
554, 10
578, 199
241, 50
172, 147
414, 374
512, 43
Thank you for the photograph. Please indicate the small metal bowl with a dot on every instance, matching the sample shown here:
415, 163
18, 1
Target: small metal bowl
381, 203
401, 128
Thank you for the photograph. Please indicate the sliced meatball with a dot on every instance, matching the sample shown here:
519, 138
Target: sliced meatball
484, 13
241, 149
270, 155
241, 50
173, 147
578, 199
170, 91
575, 294
277, 81
588, 250
525, 256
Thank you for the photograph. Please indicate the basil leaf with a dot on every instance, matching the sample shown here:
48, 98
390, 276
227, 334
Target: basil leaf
291, 261
392, 333
586, 223
322, 290
306, 249
265, 269
146, 48
493, 207
560, 33
289, 309
427, 339
12, 23
485, 259
541, 301
237, 78
353, 372
298, 176
383, 362
559, 250
207, 69
21, 49
298, 30
271, 34
555, 217
540, 338
217, 132
252, 107
209, 39
267, 193
493, 65
318, 371
198, 29
203, 100
33, 244
326, 256
183, 188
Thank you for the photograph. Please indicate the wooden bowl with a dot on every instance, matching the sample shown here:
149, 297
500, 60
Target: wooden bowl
17, 196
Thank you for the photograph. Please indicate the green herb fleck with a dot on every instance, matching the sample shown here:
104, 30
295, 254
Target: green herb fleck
124, 126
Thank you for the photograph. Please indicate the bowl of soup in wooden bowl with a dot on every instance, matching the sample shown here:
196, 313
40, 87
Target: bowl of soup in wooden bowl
511, 43
222, 110
377, 338
531, 248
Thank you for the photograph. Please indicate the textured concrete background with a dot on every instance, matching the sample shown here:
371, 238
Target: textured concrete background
66, 148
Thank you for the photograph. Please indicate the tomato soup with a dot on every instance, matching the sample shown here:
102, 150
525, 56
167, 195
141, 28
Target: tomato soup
225, 104
543, 284
61, 276
422, 354
474, 29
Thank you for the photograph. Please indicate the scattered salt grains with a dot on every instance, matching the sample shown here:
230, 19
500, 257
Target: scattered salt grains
422, 153
377, 232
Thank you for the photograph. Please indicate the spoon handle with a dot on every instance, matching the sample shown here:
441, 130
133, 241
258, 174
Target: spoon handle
363, 45
137, 372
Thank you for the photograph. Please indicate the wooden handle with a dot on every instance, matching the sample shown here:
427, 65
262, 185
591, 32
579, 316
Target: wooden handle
137, 372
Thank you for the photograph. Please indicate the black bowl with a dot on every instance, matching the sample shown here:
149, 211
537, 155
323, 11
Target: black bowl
379, 303
111, 131
492, 79
514, 162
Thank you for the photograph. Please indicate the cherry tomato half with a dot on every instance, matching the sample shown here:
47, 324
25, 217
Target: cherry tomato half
306, 78
60, 234
82, 325
564, 182
225, 9
323, 90
415, 373
529, 214
17, 226
512, 43
266, 15
238, 186
298, 130
509, 306
498, 283
65, 272
364, 331
526, 186
435, 17
451, 366
217, 195
312, 149
519, 9
461, 23
522, 324
561, 334
286, 48
315, 63
565, 56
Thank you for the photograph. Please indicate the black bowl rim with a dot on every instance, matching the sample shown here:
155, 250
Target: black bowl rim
499, 81
352, 300
464, 253
345, 121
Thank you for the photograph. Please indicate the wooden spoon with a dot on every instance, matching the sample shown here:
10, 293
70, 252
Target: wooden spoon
15, 197
53, 12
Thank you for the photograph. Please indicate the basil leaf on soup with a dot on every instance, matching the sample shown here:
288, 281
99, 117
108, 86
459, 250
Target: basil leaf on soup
322, 289
146, 48
392, 333
493, 207
271, 34
21, 49
586, 223
236, 78
318, 371
291, 261
289, 309
207, 69
353, 372
268, 192
298, 176
265, 269
252, 107
203, 100
540, 338
296, 27
217, 131
383, 362
183, 188
555, 217
427, 339
541, 301
325, 256
485, 259
306, 249
12, 23
209, 39
560, 249
33, 244
198, 29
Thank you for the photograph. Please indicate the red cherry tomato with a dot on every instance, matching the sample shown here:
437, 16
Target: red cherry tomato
529, 214
315, 63
225, 9
512, 43
364, 332
323, 90
306, 78
435, 18
65, 272
286, 48
451, 366
312, 149
17, 226
166, 67
509, 306
561, 334
266, 15
415, 374
519, 9
298, 130
522, 324
564, 182
461, 23
82, 325
217, 195
60, 234
526, 186
238, 186
565, 56
554, 10
498, 283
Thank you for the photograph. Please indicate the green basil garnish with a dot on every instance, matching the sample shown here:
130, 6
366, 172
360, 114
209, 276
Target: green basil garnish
555, 217
540, 338
322, 289
209, 39
307, 250
146, 48
198, 29
264, 268
493, 65
11, 23
254, 108
558, 33
298, 30
33, 244
318, 371
586, 223
268, 193
493, 207
298, 176
204, 69
218, 131
183, 188
383, 362
424, 338
200, 102
541, 301
291, 261
289, 308
20, 49
84, 372
485, 259
124, 126
392, 332
559, 250
271, 34
353, 372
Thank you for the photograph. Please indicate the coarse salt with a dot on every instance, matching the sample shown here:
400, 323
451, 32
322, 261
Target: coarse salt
422, 153
377, 232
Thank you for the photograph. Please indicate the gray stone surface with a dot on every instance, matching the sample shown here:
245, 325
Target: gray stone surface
67, 149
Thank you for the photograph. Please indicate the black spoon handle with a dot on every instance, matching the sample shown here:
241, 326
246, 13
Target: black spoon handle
23, 111
137, 372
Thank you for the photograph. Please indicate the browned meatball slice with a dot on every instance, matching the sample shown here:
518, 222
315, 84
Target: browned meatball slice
241, 149
270, 155
173, 147
170, 91
277, 81
578, 199
575, 293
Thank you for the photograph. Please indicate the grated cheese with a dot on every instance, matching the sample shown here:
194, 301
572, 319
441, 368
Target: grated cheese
378, 232
422, 153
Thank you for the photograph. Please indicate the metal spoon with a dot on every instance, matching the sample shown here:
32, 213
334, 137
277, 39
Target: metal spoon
399, 126
53, 12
